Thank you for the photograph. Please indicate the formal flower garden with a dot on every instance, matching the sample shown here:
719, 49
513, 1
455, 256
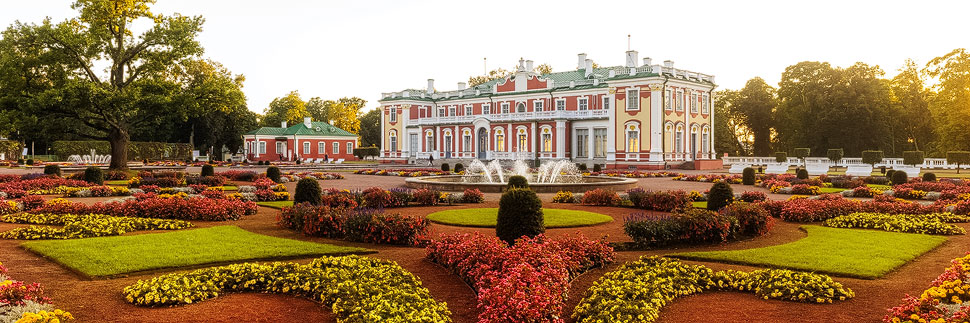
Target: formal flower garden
358, 246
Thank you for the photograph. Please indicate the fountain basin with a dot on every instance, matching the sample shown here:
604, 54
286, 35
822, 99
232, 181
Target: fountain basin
457, 183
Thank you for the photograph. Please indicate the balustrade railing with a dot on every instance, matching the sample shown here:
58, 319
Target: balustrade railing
517, 116
938, 163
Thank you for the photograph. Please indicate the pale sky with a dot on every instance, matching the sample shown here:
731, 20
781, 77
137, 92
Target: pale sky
334, 49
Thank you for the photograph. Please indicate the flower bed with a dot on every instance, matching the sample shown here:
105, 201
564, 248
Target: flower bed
633, 174
638, 290
365, 225
403, 172
357, 289
155, 206
22, 302
601, 197
942, 301
696, 226
664, 201
38, 186
934, 223
526, 282
82, 226
710, 178
830, 205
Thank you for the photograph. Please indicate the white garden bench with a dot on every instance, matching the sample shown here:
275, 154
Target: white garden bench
738, 168
339, 161
815, 170
776, 169
910, 171
859, 171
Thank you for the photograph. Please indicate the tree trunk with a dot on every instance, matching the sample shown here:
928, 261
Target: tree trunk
119, 148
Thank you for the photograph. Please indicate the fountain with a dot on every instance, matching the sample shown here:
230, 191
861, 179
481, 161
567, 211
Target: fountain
550, 177
90, 159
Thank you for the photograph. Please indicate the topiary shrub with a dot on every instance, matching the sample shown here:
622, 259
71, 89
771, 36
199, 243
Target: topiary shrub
519, 214
720, 195
307, 191
899, 178
273, 173
445, 167
914, 157
802, 173
52, 170
459, 168
958, 157
208, 170
872, 157
889, 174
781, 157
94, 175
30, 162
518, 181
747, 176
929, 177
597, 168
581, 167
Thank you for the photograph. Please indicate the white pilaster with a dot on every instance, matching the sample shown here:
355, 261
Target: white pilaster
383, 134
656, 123
710, 136
611, 130
686, 140
561, 139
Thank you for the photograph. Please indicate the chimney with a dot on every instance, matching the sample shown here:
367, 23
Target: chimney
283, 124
307, 122
647, 61
669, 64
461, 86
588, 67
528, 65
430, 85
631, 58
582, 61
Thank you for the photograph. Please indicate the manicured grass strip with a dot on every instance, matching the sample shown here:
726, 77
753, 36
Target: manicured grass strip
699, 204
276, 204
827, 190
845, 252
109, 256
226, 188
122, 182
879, 187
486, 218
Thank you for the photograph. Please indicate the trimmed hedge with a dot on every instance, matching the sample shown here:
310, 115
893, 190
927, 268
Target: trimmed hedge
899, 178
958, 157
720, 195
208, 170
914, 157
273, 173
519, 214
137, 150
781, 157
52, 169
307, 191
872, 157
364, 152
748, 176
94, 175
518, 181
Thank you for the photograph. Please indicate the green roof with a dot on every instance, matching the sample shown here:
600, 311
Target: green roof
317, 128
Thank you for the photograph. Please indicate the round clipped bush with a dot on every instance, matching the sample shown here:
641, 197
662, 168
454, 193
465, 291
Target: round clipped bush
459, 167
899, 178
597, 168
747, 176
781, 157
274, 174
518, 181
52, 170
581, 167
929, 177
94, 175
889, 174
208, 170
30, 162
307, 191
802, 173
519, 214
720, 195
445, 167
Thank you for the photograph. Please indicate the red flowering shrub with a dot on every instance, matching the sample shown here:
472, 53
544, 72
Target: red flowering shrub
523, 283
376, 197
213, 194
426, 197
691, 226
264, 183
338, 200
963, 208
17, 293
5, 178
15, 193
199, 208
116, 175
101, 191
753, 220
149, 188
808, 210
864, 191
472, 195
321, 221
601, 197
753, 196
31, 202
364, 225
41, 183
941, 302
238, 175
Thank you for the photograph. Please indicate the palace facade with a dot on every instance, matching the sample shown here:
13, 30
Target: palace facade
643, 116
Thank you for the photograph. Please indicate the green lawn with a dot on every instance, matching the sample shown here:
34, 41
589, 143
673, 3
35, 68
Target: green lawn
121, 182
276, 204
847, 252
227, 188
109, 256
827, 190
486, 218
699, 204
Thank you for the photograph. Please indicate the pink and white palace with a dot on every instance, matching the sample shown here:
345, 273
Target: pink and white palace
641, 116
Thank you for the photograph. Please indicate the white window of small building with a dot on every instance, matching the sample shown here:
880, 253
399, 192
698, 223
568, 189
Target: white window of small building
706, 104
262, 147
486, 109
633, 99
499, 140
561, 104
680, 101
583, 104
393, 114
321, 148
468, 110
537, 105
505, 108
670, 98
606, 102
693, 103
306, 148
350, 148
336, 145
281, 147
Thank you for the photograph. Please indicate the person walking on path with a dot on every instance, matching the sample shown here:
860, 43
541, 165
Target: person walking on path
430, 160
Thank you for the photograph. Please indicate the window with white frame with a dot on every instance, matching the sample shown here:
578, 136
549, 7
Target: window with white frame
583, 104
679, 139
499, 140
520, 107
523, 141
466, 141
393, 114
336, 146
705, 142
321, 148
451, 111
633, 99
582, 143
486, 108
262, 147
537, 105
505, 108
429, 141
706, 104
350, 148
680, 101
667, 103
441, 112
468, 110
281, 148
599, 142
546, 140
561, 104
606, 102
632, 139
693, 103
306, 148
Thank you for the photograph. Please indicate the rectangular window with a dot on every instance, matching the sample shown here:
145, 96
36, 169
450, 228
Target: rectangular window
306, 148
486, 108
633, 99
670, 98
321, 148
441, 112
336, 146
680, 101
633, 141
537, 105
451, 111
393, 140
583, 104
706, 104
262, 147
505, 108
429, 143
466, 143
280, 148
561, 104
599, 142
606, 102
468, 110
547, 142
582, 143
350, 148
693, 103
523, 143
500, 142
393, 114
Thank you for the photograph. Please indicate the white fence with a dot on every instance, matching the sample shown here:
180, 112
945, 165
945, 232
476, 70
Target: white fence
937, 163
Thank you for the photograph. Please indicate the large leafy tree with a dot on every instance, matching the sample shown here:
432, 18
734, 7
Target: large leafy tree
133, 91
730, 134
290, 108
912, 121
754, 107
370, 128
950, 104
216, 105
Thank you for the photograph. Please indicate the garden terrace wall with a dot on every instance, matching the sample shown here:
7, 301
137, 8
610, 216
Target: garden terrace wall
454, 183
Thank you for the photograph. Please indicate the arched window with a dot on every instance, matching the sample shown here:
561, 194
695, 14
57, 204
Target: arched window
429, 141
466, 140
392, 138
499, 139
547, 139
523, 140
632, 137
679, 139
705, 141
520, 107
447, 144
